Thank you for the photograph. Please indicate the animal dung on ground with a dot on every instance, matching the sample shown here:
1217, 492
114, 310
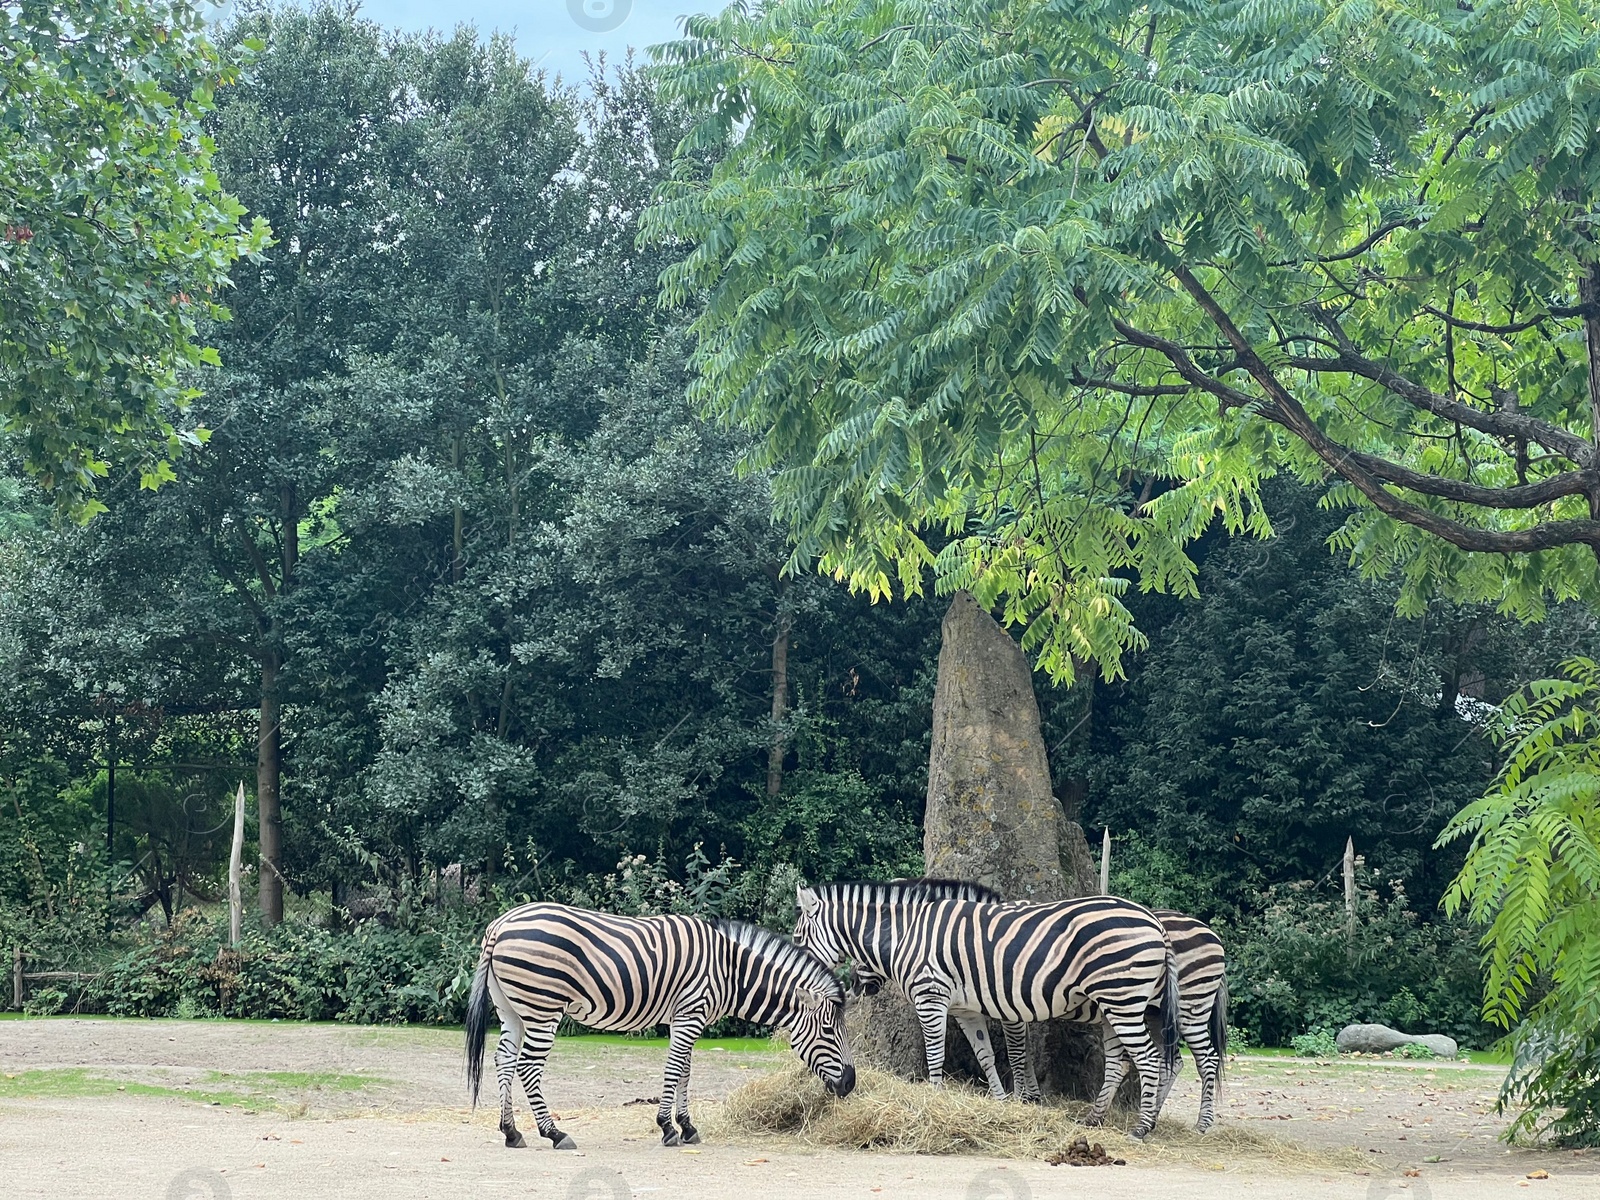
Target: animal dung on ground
1081, 1154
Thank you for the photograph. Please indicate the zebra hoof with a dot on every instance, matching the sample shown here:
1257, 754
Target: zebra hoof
515, 1141
1139, 1135
566, 1143
691, 1137
670, 1137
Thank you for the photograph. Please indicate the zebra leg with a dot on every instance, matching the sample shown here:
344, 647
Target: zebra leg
1116, 1067
977, 1031
1024, 1084
1207, 1062
1130, 1030
530, 1067
932, 1005
505, 1067
1167, 1080
691, 1135
675, 1083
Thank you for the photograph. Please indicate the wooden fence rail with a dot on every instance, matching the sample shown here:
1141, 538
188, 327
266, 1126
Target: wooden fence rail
20, 978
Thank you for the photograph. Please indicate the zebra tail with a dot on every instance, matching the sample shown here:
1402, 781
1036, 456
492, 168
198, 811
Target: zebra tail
1171, 1036
1218, 1023
479, 1005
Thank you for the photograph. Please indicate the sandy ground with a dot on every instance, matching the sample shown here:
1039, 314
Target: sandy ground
410, 1135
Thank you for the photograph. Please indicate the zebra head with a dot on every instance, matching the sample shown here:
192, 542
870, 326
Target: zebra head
780, 984
813, 932
816, 1033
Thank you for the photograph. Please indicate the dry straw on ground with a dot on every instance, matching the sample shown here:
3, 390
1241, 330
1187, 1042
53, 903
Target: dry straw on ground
887, 1113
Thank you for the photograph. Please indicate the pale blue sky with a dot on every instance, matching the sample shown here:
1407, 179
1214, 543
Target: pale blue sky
545, 29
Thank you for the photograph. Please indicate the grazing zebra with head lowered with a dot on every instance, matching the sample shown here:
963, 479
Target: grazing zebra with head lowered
1016, 962
543, 961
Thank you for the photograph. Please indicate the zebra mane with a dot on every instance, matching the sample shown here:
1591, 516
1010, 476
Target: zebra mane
916, 890
779, 949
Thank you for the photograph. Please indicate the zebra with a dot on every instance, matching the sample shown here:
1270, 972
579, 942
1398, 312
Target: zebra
1202, 1005
1202, 1008
1077, 959
1202, 1021
542, 961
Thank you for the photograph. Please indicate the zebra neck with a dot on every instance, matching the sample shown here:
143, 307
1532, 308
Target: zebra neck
761, 997
872, 940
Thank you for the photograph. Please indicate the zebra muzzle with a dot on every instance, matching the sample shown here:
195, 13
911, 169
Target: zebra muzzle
845, 1084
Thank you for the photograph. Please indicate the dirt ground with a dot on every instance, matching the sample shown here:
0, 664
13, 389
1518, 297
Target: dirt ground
231, 1109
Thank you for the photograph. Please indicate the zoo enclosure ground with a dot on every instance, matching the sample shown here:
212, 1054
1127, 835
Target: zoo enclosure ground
125, 1108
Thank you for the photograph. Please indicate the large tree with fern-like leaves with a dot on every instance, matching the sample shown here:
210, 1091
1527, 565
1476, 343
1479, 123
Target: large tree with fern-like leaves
1027, 295
1030, 293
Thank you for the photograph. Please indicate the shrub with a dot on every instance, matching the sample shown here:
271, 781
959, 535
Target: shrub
1316, 1043
1301, 963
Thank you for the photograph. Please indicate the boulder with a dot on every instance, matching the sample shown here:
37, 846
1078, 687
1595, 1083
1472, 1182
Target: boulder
1380, 1039
991, 816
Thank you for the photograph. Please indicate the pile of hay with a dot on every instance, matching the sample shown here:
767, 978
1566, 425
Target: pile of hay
887, 1113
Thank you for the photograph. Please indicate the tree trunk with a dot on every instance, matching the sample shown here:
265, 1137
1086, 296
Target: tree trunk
269, 771
780, 701
991, 816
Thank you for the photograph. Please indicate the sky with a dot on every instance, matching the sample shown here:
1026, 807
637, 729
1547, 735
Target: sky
554, 33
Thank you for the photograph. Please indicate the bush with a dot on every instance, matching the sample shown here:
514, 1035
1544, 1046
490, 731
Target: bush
1301, 964
296, 971
1315, 1043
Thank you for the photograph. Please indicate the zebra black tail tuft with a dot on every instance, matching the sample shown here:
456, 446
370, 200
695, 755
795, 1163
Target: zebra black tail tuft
479, 1006
1218, 1026
1171, 1037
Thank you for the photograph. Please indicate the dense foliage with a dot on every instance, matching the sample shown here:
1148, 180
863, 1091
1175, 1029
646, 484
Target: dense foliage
459, 577
118, 236
1532, 876
486, 610
1032, 292
1287, 708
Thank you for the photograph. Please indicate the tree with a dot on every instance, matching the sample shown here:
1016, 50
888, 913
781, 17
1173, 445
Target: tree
1286, 708
1031, 294
118, 237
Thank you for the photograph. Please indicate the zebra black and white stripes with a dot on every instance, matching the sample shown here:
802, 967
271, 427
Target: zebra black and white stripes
1202, 1002
1016, 962
542, 961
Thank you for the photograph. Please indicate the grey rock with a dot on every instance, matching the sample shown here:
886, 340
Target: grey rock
992, 816
1380, 1039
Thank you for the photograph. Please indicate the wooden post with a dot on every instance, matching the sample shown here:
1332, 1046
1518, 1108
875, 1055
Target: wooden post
1105, 863
16, 978
1350, 880
235, 868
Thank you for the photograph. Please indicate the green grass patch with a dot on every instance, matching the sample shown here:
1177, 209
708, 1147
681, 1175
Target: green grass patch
299, 1081
78, 1082
1480, 1058
249, 1090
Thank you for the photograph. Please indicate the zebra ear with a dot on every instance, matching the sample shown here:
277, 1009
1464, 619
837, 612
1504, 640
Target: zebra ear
808, 998
810, 902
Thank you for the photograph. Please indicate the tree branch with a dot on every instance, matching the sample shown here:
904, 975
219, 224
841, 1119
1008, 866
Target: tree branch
1505, 423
